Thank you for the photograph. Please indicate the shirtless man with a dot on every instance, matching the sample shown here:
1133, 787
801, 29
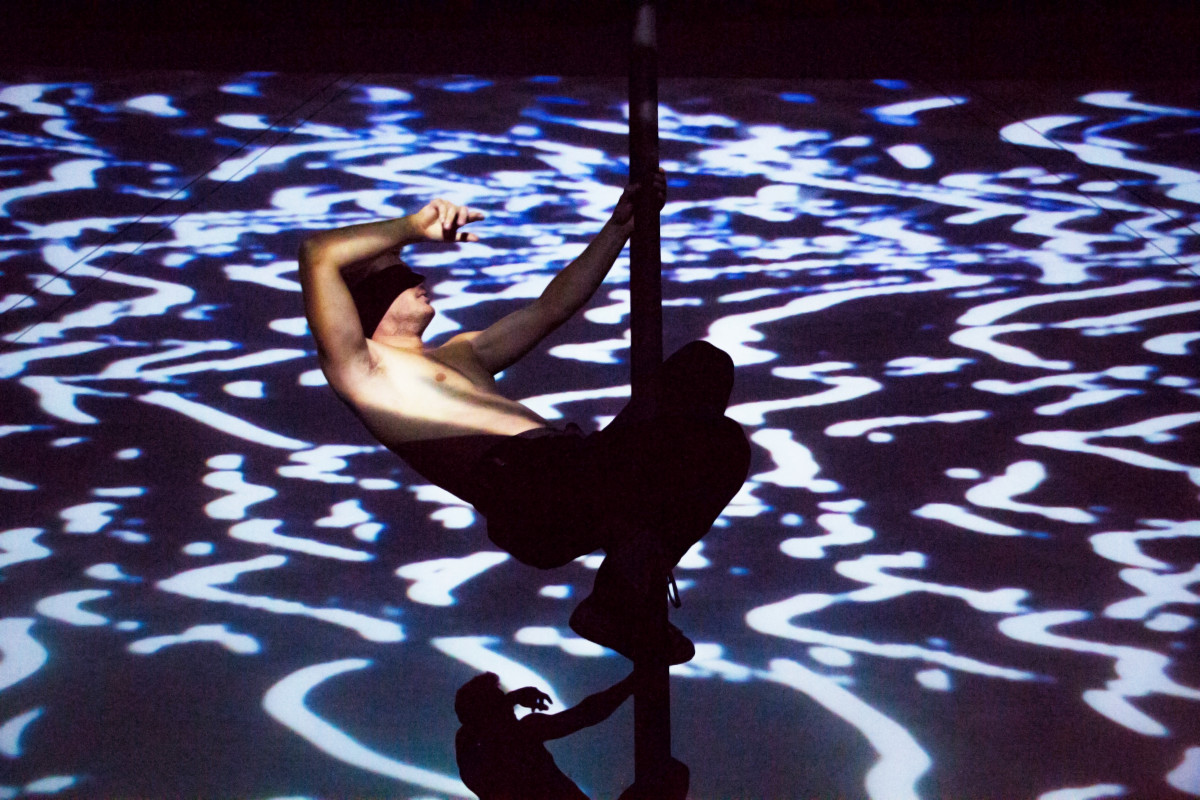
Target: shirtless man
549, 495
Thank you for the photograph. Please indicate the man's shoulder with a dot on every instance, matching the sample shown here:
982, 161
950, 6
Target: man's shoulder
348, 379
460, 338
458, 352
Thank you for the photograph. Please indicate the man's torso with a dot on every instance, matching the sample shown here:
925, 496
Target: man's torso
439, 393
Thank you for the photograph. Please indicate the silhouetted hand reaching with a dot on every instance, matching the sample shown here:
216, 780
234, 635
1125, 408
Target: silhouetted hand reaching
530, 697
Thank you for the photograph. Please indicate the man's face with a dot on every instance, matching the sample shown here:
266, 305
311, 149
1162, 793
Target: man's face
411, 307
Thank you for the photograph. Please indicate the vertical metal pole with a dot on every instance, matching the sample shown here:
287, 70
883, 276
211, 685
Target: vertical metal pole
652, 699
645, 280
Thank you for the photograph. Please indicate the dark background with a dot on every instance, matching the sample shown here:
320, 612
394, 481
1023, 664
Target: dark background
941, 39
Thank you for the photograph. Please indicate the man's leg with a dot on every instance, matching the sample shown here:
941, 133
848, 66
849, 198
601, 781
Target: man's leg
674, 472
543, 498
548, 500
695, 382
669, 475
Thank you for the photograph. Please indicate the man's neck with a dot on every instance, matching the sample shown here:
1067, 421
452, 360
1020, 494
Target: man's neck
409, 342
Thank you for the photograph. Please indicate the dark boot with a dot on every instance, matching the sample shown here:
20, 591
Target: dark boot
630, 578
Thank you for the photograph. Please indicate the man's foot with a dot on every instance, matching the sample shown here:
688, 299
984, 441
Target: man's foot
617, 631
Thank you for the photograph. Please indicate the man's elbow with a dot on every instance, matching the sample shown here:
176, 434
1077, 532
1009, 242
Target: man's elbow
310, 250
553, 311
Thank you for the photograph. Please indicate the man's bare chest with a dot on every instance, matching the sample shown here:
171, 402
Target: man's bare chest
436, 371
414, 396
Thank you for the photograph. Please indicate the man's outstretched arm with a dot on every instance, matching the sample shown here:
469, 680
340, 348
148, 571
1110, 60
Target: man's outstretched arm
590, 711
327, 259
505, 342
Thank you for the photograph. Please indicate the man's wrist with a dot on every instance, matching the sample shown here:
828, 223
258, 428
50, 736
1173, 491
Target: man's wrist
408, 232
624, 229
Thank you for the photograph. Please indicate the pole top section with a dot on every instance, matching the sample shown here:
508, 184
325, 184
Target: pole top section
644, 34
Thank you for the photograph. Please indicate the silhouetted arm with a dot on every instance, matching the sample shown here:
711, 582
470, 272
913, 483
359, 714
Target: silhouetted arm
593, 709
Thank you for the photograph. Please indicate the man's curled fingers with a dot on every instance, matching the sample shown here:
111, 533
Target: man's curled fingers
444, 220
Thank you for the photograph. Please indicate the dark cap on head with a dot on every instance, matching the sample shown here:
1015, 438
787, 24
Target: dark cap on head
374, 295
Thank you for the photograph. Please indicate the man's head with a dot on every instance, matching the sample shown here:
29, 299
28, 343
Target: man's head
373, 296
481, 700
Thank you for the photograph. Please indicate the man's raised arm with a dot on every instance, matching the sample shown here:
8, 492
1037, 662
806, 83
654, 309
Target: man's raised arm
328, 258
505, 342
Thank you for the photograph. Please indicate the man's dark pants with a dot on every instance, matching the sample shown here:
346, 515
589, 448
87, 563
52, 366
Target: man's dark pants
551, 496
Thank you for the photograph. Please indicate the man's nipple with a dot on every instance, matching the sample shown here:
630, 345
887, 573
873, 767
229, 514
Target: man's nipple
441, 376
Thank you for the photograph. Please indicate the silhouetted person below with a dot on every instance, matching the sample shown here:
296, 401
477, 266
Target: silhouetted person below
501, 757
